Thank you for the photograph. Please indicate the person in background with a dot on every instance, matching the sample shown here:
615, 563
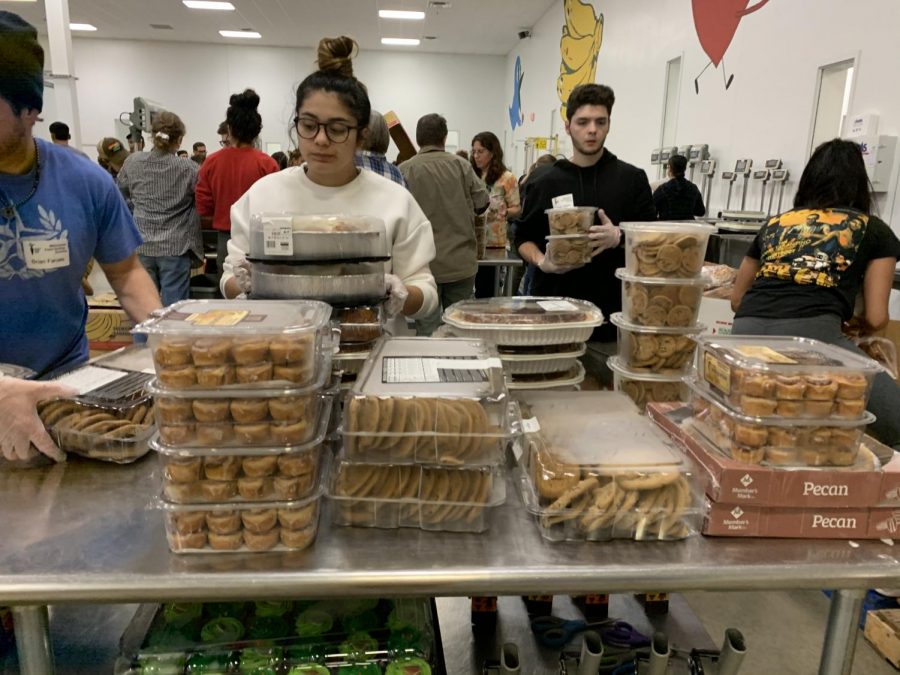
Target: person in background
229, 173
803, 272
135, 142
450, 194
56, 213
199, 152
59, 134
111, 155
678, 198
375, 144
332, 114
295, 158
487, 160
535, 170
182, 153
463, 153
224, 138
280, 159
159, 187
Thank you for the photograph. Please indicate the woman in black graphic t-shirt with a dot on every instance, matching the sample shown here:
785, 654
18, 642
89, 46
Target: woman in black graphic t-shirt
805, 268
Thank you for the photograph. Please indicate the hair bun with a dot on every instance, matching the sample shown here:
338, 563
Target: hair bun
247, 99
336, 55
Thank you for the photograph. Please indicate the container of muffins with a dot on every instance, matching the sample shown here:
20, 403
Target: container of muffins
206, 344
785, 377
571, 219
776, 441
287, 236
344, 283
660, 302
569, 250
650, 349
666, 249
644, 388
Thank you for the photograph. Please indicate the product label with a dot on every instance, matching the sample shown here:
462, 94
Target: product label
218, 317
557, 306
764, 354
90, 378
531, 425
414, 370
278, 237
46, 254
717, 373
563, 202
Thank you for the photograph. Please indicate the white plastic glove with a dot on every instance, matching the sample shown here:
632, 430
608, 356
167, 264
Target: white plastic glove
605, 235
242, 276
20, 426
396, 295
546, 266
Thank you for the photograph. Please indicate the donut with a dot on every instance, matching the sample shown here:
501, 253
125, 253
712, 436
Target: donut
187, 542
820, 388
177, 435
174, 410
185, 523
298, 518
757, 406
214, 435
252, 434
289, 487
259, 467
210, 377
249, 350
183, 470
288, 408
287, 349
218, 490
223, 522
817, 408
851, 385
222, 468
747, 455
789, 387
226, 542
298, 539
850, 408
789, 408
258, 372
259, 520
295, 374
290, 433
261, 541
751, 435
781, 456
254, 489
173, 352
178, 377
296, 464
210, 351
249, 410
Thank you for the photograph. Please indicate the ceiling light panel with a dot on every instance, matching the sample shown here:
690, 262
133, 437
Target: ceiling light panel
401, 14
401, 42
82, 26
208, 4
249, 34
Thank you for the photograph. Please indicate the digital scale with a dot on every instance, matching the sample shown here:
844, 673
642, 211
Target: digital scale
664, 154
707, 173
697, 154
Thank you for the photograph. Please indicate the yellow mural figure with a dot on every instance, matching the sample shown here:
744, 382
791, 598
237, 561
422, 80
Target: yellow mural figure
578, 49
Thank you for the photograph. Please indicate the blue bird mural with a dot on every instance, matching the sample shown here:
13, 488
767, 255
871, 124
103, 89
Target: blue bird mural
516, 116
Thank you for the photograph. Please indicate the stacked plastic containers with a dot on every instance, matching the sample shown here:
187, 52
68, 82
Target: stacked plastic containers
425, 430
242, 412
338, 259
781, 401
539, 339
568, 244
661, 294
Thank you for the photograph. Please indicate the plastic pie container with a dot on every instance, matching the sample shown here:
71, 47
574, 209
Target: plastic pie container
655, 301
346, 283
644, 388
569, 250
667, 351
571, 220
538, 364
665, 249
565, 379
286, 236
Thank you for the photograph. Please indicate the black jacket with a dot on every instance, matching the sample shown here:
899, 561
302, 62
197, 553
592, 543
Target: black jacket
622, 191
678, 199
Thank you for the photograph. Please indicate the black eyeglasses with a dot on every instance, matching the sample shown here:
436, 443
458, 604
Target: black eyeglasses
337, 132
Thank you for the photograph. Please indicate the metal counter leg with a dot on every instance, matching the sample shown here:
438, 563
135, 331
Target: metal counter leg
32, 626
840, 636
497, 272
508, 291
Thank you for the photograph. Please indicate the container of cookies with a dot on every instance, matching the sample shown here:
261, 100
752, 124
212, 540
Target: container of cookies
429, 498
541, 361
571, 219
362, 323
633, 485
206, 344
338, 283
644, 388
649, 349
569, 250
787, 377
524, 321
776, 441
569, 378
428, 400
655, 301
225, 418
287, 236
666, 249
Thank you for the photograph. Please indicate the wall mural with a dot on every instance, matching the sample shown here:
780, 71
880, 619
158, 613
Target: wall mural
716, 22
516, 116
579, 46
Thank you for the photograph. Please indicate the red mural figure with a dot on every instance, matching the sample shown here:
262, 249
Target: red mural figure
716, 22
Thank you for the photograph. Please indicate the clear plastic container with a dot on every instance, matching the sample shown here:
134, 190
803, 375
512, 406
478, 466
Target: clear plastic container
350, 364
786, 377
205, 344
286, 236
776, 442
571, 220
572, 377
236, 419
525, 321
569, 250
345, 283
644, 388
541, 363
632, 486
647, 349
666, 249
436, 499
428, 400
364, 323
655, 301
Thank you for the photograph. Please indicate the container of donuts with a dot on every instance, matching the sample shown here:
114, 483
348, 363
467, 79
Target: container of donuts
649, 349
524, 321
361, 323
659, 302
287, 236
569, 250
666, 249
776, 441
645, 387
786, 377
205, 344
571, 219
541, 361
344, 283
427, 498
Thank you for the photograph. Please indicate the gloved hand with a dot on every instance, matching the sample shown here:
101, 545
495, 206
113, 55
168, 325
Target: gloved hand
605, 235
20, 426
397, 295
242, 276
546, 266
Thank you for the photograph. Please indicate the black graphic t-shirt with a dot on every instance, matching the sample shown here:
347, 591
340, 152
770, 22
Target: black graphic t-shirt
812, 262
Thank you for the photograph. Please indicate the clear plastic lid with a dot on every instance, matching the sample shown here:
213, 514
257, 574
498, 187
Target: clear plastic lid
624, 275
615, 364
329, 223
568, 237
316, 237
564, 351
572, 209
782, 355
218, 318
154, 388
529, 381
164, 505
618, 320
682, 227
523, 313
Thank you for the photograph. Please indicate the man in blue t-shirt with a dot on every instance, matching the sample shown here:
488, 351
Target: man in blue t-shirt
57, 211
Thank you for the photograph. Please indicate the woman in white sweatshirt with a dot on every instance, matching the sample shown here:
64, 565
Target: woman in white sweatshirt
331, 119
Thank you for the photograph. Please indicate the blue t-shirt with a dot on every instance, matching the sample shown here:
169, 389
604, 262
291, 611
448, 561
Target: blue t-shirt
43, 311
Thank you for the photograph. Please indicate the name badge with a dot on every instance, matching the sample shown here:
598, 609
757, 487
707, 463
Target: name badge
46, 254
563, 202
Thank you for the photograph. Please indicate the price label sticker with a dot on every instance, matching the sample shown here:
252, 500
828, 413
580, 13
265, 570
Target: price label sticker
278, 237
557, 306
531, 425
563, 201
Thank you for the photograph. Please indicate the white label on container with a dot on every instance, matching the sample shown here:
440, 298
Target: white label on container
407, 370
557, 306
563, 201
278, 237
531, 425
90, 378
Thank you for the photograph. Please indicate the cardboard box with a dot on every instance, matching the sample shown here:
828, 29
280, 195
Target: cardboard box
734, 520
108, 326
883, 632
716, 315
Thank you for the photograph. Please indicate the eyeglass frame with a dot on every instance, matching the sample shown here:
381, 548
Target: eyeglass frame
320, 126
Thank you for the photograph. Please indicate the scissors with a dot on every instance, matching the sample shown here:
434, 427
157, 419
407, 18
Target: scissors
551, 631
622, 634
618, 663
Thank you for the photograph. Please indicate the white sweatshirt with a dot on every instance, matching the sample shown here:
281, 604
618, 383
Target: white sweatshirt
291, 190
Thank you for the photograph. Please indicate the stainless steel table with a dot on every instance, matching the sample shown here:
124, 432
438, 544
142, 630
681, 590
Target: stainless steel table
502, 262
84, 532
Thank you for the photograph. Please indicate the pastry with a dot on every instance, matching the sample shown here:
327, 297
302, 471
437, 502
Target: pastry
223, 522
296, 464
261, 541
173, 352
173, 410
783, 437
210, 351
250, 374
789, 408
288, 488
252, 434
298, 518
217, 490
259, 467
850, 408
576, 221
183, 470
851, 385
254, 489
191, 521
211, 409
842, 456
817, 408
214, 435
789, 387
758, 407
249, 350
226, 542
210, 377
178, 377
248, 410
288, 408
298, 539
755, 384
288, 349
751, 435
187, 542
781, 456
259, 520
351, 315
296, 374
177, 435
291, 433
815, 456
820, 388
222, 468
748, 455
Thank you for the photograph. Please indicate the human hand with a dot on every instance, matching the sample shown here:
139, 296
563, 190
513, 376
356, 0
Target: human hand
397, 294
21, 430
548, 267
242, 276
605, 235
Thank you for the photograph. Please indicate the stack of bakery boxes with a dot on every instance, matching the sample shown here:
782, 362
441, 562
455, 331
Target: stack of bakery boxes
778, 424
338, 259
424, 433
661, 293
242, 415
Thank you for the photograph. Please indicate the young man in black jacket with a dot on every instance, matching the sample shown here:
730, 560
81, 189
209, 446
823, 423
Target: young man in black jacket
592, 177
